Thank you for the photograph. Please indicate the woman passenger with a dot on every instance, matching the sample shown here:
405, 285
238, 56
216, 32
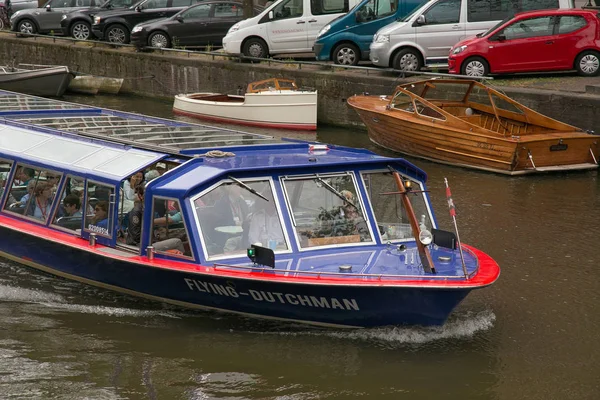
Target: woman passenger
42, 201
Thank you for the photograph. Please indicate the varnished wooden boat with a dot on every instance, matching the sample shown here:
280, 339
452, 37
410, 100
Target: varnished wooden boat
466, 123
270, 103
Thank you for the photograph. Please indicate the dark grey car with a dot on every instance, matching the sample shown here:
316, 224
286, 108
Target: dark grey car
47, 19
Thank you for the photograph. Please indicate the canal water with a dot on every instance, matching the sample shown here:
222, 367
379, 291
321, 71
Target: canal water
533, 335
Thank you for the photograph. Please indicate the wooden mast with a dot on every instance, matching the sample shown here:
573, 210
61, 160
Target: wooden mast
424, 254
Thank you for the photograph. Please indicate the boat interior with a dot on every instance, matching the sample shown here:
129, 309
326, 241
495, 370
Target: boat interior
475, 103
221, 98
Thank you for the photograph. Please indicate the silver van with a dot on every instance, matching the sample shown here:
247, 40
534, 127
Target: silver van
425, 37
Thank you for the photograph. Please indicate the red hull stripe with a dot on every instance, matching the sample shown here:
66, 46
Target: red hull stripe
298, 127
488, 268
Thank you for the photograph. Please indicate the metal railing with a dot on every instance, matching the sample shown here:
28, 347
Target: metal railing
320, 274
240, 58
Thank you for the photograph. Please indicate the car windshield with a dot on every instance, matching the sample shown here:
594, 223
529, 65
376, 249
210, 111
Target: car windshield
409, 16
493, 28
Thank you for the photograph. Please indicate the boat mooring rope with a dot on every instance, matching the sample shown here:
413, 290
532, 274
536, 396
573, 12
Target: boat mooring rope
217, 154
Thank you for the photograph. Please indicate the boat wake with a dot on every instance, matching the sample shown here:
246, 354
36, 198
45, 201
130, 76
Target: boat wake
58, 302
465, 325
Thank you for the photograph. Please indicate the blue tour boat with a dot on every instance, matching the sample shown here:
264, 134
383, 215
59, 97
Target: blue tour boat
228, 221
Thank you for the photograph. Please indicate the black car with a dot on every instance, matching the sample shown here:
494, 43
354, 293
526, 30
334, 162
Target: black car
115, 26
78, 24
203, 24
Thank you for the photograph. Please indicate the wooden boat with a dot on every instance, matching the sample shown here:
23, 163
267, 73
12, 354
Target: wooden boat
43, 81
239, 222
468, 124
91, 84
271, 103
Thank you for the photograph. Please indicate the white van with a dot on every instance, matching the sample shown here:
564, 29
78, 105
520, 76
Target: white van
286, 26
425, 37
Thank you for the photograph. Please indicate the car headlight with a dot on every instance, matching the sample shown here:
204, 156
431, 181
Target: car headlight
136, 28
459, 49
234, 28
324, 30
97, 20
381, 38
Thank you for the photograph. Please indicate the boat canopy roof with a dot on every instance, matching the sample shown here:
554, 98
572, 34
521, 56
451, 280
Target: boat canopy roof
112, 162
300, 156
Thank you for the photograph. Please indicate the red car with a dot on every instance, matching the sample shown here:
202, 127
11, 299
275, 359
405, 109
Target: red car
546, 40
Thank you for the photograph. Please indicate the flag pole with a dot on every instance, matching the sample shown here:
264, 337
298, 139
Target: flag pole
453, 214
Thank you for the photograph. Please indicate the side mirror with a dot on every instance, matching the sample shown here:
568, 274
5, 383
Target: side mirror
179, 18
421, 20
271, 14
359, 17
501, 37
138, 9
48, 8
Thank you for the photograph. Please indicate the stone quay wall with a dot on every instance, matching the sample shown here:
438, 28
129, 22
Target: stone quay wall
166, 73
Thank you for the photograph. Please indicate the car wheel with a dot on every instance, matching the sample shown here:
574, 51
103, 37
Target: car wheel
346, 54
256, 48
475, 67
588, 63
159, 39
26, 26
81, 30
117, 34
408, 60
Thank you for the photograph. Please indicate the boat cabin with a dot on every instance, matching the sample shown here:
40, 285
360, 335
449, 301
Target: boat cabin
204, 204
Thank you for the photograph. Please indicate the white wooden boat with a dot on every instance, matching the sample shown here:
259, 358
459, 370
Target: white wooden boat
272, 103
42, 81
90, 84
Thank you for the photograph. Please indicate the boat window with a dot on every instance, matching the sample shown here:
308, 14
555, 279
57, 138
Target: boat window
33, 192
326, 210
402, 101
502, 104
69, 213
235, 214
169, 233
390, 214
5, 167
449, 91
480, 96
426, 111
100, 199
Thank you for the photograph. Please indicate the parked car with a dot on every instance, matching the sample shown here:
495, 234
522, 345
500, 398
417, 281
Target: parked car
286, 26
115, 26
425, 37
549, 40
47, 19
18, 5
199, 25
78, 24
346, 39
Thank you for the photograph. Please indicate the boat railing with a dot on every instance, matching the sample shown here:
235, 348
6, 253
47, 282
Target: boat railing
319, 274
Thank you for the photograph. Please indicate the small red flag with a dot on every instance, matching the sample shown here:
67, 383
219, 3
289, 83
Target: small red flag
450, 202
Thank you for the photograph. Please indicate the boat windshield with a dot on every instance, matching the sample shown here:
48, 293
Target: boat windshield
390, 214
326, 210
235, 214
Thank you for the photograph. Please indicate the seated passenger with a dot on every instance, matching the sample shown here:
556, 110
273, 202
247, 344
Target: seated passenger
265, 225
100, 218
135, 216
41, 203
72, 206
130, 184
